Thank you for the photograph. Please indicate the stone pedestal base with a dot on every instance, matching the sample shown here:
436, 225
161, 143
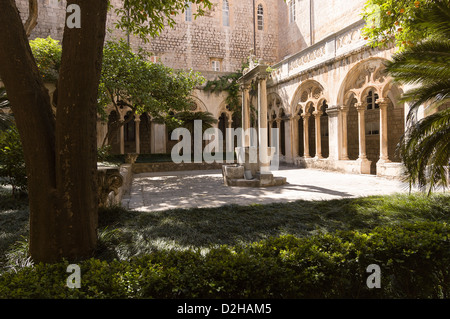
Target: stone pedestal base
364, 164
234, 175
388, 169
251, 170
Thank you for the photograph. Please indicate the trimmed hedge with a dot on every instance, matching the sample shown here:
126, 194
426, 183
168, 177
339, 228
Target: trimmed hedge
414, 261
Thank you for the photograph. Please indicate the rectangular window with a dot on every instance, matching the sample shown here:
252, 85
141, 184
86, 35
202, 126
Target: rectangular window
372, 128
292, 15
372, 98
188, 11
154, 59
260, 18
215, 65
226, 13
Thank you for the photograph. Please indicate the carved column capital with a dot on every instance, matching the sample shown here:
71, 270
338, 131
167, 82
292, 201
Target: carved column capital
317, 113
344, 108
244, 87
261, 77
383, 103
360, 107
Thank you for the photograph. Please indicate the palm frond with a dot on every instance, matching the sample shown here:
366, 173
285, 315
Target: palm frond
188, 119
425, 150
434, 95
424, 63
427, 64
436, 18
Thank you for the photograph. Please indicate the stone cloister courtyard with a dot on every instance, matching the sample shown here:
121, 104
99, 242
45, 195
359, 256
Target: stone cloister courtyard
220, 153
198, 189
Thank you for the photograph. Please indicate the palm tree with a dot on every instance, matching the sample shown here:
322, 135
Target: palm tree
425, 147
187, 120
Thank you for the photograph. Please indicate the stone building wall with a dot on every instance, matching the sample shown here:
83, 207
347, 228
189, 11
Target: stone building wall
51, 18
373, 140
330, 62
188, 45
195, 44
352, 133
396, 126
327, 17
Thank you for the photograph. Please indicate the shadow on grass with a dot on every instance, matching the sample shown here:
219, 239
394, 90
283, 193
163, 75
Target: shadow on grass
129, 233
14, 219
124, 233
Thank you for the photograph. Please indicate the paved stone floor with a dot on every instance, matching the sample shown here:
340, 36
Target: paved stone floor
161, 191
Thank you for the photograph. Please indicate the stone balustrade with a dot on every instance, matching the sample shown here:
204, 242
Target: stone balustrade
338, 44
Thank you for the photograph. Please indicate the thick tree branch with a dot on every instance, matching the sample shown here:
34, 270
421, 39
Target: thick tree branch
31, 22
119, 123
31, 105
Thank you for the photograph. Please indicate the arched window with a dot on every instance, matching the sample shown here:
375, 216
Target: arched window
188, 11
260, 14
226, 13
372, 97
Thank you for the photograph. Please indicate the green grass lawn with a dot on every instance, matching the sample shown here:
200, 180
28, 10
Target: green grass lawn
308, 249
127, 233
124, 234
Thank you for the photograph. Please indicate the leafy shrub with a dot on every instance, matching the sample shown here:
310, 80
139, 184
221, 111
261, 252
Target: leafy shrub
413, 258
103, 153
12, 162
47, 53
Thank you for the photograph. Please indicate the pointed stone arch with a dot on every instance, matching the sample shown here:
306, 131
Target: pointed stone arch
308, 91
200, 105
366, 75
379, 118
307, 105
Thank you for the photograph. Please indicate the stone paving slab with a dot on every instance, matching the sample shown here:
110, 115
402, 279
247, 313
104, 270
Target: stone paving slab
169, 190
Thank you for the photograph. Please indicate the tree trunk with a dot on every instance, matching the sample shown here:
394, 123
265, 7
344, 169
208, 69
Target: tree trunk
30, 103
76, 131
117, 125
32, 16
61, 158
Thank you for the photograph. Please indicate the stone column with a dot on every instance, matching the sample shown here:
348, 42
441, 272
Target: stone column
137, 122
122, 136
262, 126
229, 140
317, 115
289, 156
383, 103
228, 135
294, 134
306, 134
278, 120
362, 130
344, 118
334, 135
245, 114
362, 160
269, 127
